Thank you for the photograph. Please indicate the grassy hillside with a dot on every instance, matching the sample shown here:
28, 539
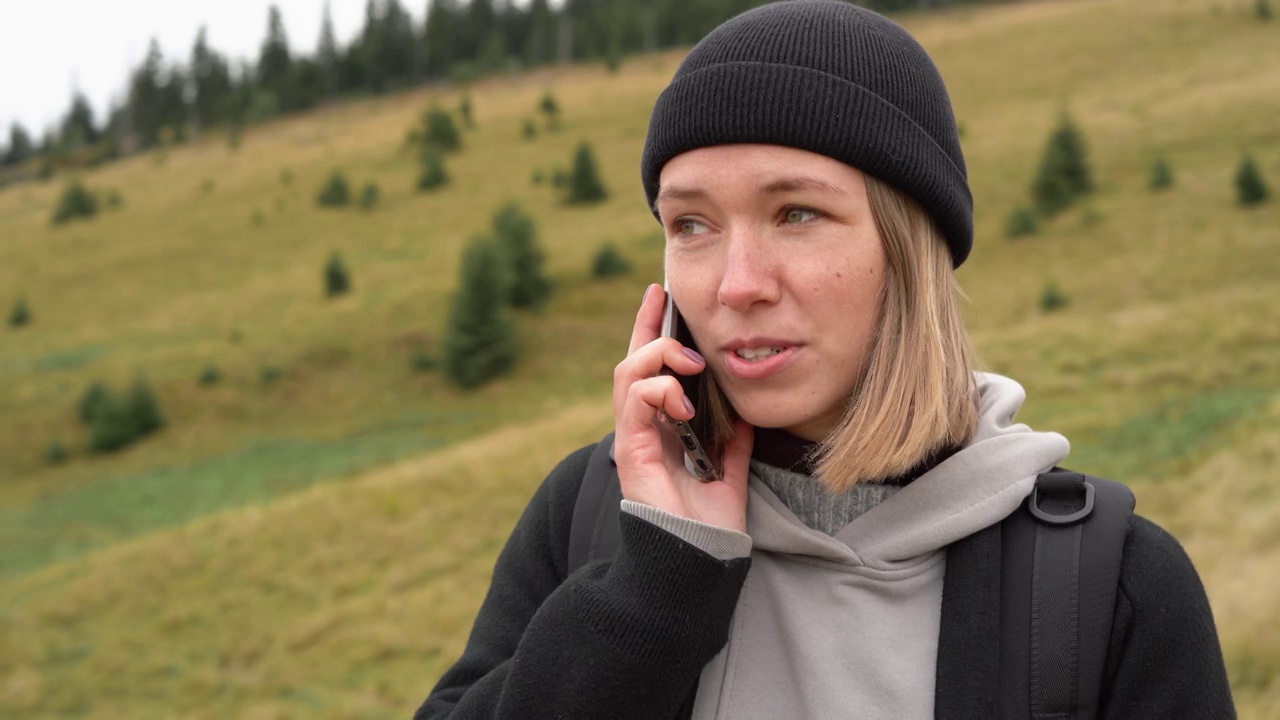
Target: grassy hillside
348, 599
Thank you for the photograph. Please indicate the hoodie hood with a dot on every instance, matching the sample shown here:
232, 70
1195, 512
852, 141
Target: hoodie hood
835, 626
976, 487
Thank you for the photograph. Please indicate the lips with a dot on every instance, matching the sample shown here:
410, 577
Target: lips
759, 369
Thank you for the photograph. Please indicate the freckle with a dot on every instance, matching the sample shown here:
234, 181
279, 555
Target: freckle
839, 275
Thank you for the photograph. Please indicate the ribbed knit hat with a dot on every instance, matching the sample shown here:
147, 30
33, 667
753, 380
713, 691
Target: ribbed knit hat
829, 77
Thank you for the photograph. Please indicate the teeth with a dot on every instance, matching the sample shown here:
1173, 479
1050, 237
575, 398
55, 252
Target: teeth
757, 353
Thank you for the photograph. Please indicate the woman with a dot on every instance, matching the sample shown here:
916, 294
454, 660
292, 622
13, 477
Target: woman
806, 167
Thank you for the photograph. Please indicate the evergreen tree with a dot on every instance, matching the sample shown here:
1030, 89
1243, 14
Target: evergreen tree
20, 146
584, 183
369, 196
78, 127
549, 107
540, 39
92, 402
530, 129
1064, 174
1251, 189
336, 280
20, 315
609, 263
144, 409
1022, 222
527, 285
1262, 9
1161, 175
336, 192
56, 453
1052, 298
273, 60
438, 130
211, 82
75, 202
433, 173
144, 97
479, 339
441, 36
327, 54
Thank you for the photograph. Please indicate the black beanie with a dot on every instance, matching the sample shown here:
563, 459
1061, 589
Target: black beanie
829, 77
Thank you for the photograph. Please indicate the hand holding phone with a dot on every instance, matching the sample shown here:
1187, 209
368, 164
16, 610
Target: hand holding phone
652, 464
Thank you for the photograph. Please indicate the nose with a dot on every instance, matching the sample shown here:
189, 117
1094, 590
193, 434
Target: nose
750, 272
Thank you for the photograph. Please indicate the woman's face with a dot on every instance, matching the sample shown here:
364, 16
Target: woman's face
774, 259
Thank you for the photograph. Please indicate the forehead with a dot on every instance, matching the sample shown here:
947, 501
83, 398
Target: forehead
762, 168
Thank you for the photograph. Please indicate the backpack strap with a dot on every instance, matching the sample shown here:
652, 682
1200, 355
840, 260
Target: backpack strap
1061, 554
594, 532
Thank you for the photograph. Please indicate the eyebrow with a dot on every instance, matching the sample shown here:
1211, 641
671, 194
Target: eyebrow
775, 187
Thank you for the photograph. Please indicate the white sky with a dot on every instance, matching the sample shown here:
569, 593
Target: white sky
50, 47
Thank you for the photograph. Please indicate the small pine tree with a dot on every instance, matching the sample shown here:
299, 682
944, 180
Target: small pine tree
1251, 189
1064, 173
527, 286
1161, 175
609, 263
56, 453
271, 374
75, 202
530, 130
336, 192
549, 107
21, 314
1021, 223
116, 421
537, 176
1262, 9
423, 361
1052, 298
479, 339
433, 173
438, 130
584, 183
336, 280
464, 109
144, 409
613, 53
209, 376
369, 197
95, 398
111, 428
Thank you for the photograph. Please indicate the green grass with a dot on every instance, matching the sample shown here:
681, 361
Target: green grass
207, 572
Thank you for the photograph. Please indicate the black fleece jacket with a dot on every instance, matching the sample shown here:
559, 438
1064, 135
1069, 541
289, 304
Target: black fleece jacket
628, 637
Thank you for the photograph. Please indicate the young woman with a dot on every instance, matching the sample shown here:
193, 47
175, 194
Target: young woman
806, 167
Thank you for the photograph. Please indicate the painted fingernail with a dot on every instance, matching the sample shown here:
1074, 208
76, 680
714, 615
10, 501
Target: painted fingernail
693, 355
688, 405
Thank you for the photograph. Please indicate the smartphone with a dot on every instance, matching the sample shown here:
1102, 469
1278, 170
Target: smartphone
698, 461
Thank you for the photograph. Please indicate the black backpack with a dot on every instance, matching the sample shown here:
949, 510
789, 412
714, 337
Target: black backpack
1059, 574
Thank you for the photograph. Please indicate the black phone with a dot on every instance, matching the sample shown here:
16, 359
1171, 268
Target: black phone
699, 461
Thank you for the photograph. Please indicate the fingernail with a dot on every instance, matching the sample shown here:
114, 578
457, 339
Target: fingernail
647, 290
688, 405
693, 355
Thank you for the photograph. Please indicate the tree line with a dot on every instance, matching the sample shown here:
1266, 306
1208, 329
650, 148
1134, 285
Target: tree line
168, 101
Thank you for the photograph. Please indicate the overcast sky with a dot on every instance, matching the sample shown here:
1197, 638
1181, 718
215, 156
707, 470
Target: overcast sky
50, 47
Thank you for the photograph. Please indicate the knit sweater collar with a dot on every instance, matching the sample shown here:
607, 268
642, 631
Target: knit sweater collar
781, 449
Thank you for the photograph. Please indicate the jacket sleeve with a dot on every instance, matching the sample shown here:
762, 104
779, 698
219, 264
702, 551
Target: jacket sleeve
625, 638
1165, 660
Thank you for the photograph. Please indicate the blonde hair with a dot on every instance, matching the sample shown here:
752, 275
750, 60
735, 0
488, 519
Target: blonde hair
917, 392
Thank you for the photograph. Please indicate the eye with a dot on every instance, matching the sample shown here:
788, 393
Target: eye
689, 226
799, 215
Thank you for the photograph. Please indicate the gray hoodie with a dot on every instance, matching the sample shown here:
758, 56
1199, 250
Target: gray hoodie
846, 625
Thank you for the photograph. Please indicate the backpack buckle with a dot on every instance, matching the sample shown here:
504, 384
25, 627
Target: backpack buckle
1056, 484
